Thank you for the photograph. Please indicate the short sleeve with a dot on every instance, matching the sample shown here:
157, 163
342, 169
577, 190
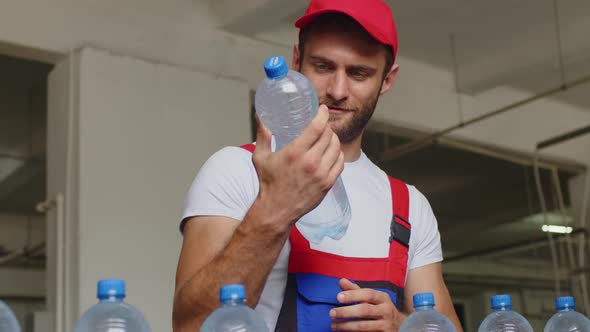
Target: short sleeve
226, 185
425, 246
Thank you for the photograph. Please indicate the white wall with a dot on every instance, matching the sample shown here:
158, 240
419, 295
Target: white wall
142, 131
62, 189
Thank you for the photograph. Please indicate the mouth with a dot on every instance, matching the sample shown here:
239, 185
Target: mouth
336, 110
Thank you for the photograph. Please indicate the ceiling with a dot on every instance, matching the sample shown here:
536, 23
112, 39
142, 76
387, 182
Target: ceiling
500, 43
487, 44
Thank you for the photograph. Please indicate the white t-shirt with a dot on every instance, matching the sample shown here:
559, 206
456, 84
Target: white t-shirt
227, 185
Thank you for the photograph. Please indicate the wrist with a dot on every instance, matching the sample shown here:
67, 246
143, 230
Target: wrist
266, 218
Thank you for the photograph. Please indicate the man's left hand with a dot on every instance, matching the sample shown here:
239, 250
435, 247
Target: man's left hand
369, 310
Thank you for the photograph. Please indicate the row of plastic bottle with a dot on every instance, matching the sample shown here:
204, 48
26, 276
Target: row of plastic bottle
502, 318
235, 315
112, 313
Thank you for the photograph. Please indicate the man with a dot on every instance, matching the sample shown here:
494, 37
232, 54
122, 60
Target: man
240, 213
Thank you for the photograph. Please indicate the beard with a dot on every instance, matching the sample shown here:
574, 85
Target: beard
350, 125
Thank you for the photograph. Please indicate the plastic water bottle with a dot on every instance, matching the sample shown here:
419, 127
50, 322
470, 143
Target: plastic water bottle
503, 319
233, 315
286, 102
112, 313
566, 318
425, 318
8, 322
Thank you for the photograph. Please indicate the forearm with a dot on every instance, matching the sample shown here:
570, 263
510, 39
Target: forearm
247, 259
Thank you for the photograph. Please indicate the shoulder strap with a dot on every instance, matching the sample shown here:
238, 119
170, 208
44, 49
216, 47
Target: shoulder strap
250, 147
400, 224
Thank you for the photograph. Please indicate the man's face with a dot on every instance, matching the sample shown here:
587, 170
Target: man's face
347, 73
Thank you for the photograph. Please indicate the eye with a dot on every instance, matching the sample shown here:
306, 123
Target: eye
359, 75
322, 67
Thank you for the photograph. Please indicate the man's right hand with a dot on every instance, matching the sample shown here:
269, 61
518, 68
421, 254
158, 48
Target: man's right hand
295, 179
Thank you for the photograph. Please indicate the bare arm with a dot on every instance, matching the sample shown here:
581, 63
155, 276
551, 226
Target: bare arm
429, 278
220, 250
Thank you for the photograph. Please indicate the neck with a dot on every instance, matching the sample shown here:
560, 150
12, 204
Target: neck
352, 149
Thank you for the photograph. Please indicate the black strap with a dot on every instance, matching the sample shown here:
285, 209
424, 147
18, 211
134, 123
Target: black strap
287, 321
398, 232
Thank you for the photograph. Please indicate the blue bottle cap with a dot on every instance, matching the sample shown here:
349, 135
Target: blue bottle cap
110, 287
565, 302
423, 299
232, 292
275, 67
501, 300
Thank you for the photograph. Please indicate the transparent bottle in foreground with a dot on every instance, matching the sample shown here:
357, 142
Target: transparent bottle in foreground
286, 102
425, 318
567, 318
112, 313
8, 321
503, 318
233, 315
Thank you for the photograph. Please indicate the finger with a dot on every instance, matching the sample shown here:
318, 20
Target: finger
360, 325
263, 138
336, 169
314, 130
320, 147
361, 310
346, 284
330, 154
367, 295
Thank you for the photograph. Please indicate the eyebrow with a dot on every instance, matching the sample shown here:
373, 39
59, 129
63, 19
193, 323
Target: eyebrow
365, 68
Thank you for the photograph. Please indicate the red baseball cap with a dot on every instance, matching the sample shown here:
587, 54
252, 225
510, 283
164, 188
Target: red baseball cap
373, 15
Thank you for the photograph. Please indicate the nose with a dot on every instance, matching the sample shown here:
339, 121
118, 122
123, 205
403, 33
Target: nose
337, 88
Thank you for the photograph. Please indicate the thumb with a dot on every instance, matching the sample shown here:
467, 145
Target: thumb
263, 138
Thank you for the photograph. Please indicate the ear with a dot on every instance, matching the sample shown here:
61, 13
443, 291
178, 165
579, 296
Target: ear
295, 58
389, 78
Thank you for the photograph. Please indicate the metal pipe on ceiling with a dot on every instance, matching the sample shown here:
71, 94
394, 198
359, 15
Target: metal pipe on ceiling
430, 139
563, 137
511, 156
